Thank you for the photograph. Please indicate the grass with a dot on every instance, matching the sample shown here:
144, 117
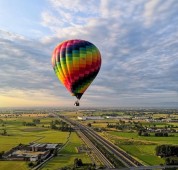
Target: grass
152, 138
9, 165
54, 137
141, 147
143, 152
65, 160
74, 142
18, 136
17, 133
68, 154
35, 129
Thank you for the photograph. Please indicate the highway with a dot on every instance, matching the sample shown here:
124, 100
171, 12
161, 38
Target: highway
125, 158
119, 154
96, 151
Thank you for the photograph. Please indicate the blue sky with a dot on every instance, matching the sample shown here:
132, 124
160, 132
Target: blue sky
138, 41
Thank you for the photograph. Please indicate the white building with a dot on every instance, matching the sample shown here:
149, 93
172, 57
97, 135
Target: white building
34, 158
90, 118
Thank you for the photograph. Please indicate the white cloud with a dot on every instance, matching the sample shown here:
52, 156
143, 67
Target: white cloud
139, 56
136, 52
158, 10
150, 8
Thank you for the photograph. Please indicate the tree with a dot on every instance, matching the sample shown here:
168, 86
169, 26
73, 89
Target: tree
166, 150
4, 132
80, 163
140, 132
167, 161
146, 134
24, 123
36, 121
53, 125
89, 124
75, 162
30, 164
1, 154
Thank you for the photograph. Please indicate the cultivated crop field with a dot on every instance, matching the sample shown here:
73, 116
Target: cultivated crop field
68, 154
140, 147
42, 133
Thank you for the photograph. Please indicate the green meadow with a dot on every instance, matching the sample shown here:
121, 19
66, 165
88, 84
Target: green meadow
145, 153
8, 165
157, 140
18, 133
68, 154
141, 147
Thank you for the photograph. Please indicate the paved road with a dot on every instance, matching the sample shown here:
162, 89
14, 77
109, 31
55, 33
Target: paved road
96, 151
156, 167
121, 155
41, 164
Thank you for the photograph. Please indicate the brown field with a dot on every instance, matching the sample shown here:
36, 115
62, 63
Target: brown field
24, 115
34, 129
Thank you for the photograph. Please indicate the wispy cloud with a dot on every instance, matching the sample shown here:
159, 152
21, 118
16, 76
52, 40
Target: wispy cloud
138, 41
159, 11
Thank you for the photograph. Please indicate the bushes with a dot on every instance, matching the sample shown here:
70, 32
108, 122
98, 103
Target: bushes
30, 164
60, 125
161, 134
143, 133
167, 150
171, 161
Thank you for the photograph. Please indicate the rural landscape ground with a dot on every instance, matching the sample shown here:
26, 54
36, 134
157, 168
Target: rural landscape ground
133, 131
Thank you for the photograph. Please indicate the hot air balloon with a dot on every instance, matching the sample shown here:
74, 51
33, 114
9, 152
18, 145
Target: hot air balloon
76, 63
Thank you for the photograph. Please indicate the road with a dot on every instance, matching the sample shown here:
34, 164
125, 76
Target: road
96, 151
119, 154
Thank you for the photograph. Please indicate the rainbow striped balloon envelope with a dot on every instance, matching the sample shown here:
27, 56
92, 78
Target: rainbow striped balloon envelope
76, 64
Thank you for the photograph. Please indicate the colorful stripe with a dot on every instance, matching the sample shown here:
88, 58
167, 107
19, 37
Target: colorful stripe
76, 64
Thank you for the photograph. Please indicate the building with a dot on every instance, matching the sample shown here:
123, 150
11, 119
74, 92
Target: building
32, 152
90, 118
37, 147
34, 158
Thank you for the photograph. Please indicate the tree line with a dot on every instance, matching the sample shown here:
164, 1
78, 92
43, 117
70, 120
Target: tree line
169, 152
60, 125
33, 123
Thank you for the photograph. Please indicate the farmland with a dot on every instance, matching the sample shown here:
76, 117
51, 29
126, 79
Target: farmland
42, 133
68, 154
124, 133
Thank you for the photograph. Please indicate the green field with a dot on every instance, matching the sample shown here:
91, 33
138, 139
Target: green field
143, 152
17, 133
8, 165
68, 154
141, 147
152, 138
